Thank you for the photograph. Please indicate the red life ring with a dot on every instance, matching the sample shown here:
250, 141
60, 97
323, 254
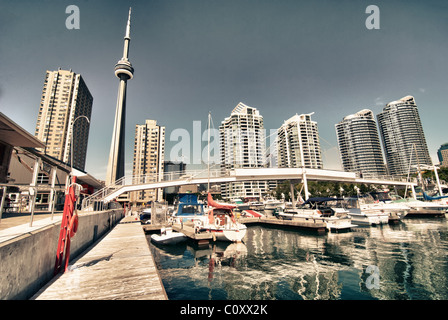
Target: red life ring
73, 226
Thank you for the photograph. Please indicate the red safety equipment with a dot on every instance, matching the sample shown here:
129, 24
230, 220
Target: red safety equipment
69, 226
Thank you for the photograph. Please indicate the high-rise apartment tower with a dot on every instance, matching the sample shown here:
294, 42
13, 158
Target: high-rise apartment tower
359, 144
149, 157
402, 135
242, 143
65, 97
298, 143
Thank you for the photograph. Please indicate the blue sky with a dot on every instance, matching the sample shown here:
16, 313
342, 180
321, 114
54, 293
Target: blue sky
194, 56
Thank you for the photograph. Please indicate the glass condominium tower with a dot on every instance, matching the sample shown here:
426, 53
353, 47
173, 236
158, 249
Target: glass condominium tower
402, 135
149, 157
65, 97
298, 143
359, 144
242, 144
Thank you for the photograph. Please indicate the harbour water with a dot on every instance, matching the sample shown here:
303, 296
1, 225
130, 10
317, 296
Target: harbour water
406, 261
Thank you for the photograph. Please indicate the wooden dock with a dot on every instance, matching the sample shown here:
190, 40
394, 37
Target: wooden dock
303, 223
205, 237
422, 213
119, 267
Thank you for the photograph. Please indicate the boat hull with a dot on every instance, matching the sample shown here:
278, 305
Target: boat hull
339, 224
232, 235
171, 239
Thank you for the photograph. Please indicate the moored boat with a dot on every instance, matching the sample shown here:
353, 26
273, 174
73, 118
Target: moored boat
240, 204
423, 208
271, 205
362, 212
168, 237
335, 217
189, 209
221, 222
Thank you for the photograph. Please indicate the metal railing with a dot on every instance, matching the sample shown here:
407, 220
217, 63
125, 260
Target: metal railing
371, 176
190, 175
150, 178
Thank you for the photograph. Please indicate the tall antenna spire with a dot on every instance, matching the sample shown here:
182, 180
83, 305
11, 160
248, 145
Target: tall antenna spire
128, 27
127, 38
123, 71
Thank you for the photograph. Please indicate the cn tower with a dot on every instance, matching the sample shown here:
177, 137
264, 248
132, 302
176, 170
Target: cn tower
123, 71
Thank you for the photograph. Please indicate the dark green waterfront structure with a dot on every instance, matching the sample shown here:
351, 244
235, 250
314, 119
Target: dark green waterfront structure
442, 153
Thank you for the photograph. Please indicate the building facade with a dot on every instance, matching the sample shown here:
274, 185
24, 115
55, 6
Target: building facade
402, 135
359, 144
65, 97
298, 143
442, 154
149, 157
172, 170
242, 145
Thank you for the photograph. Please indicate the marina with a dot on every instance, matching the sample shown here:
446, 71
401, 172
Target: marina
283, 203
405, 261
276, 259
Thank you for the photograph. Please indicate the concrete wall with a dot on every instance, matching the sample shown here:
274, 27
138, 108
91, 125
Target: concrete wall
27, 262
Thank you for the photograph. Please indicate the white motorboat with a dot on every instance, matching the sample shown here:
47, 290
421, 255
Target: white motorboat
364, 217
168, 237
322, 208
240, 204
383, 201
256, 205
271, 205
437, 207
362, 211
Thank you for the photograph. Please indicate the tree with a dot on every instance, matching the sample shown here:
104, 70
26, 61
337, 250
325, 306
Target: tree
322, 189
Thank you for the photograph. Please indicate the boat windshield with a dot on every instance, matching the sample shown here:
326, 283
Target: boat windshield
191, 209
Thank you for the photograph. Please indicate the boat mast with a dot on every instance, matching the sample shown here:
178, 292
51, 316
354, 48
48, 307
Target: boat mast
419, 171
208, 148
409, 173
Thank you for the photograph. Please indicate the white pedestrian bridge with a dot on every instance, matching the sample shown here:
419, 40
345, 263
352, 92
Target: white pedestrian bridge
172, 179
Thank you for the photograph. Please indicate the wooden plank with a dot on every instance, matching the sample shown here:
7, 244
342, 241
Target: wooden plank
118, 267
302, 223
421, 212
189, 232
152, 227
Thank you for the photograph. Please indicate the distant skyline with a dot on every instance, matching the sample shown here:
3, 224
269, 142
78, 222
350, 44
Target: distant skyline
190, 57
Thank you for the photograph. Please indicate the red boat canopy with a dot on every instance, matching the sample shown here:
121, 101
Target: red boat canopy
217, 205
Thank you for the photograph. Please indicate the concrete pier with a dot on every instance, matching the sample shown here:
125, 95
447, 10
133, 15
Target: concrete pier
119, 267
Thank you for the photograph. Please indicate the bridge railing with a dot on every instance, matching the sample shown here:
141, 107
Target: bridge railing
149, 178
190, 175
372, 176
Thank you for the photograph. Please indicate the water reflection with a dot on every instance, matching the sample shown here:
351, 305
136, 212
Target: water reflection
410, 259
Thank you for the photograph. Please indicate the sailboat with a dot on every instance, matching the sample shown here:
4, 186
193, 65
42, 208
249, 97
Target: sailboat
221, 222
